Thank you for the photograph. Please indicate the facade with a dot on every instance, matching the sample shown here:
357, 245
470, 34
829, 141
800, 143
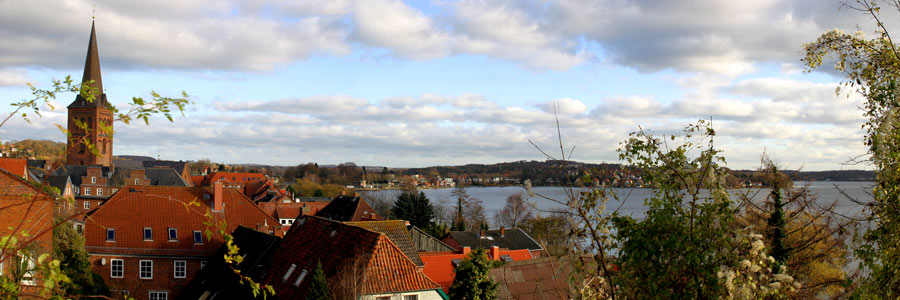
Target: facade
26, 212
149, 241
94, 115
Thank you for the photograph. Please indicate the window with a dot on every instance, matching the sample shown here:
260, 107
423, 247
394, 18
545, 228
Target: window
87, 191
180, 269
148, 234
383, 298
202, 264
116, 268
158, 295
110, 234
300, 278
87, 204
288, 273
27, 262
410, 297
146, 269
115, 190
99, 191
124, 293
93, 179
79, 227
173, 234
137, 181
198, 237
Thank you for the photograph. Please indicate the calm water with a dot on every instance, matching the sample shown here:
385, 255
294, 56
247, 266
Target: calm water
632, 200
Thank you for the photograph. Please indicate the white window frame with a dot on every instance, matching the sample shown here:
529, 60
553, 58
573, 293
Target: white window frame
202, 264
93, 179
87, 204
113, 231
160, 295
87, 191
183, 268
112, 268
197, 234
411, 297
144, 233
99, 191
137, 181
170, 231
288, 273
141, 269
115, 190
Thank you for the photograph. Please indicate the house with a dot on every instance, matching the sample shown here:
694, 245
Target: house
286, 213
512, 239
424, 242
540, 278
441, 266
92, 185
217, 280
357, 263
397, 232
149, 241
26, 212
349, 208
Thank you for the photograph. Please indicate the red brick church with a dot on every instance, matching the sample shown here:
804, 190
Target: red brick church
92, 113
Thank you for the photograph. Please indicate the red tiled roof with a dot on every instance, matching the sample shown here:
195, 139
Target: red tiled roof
161, 207
291, 210
197, 180
16, 166
540, 278
232, 177
341, 247
439, 265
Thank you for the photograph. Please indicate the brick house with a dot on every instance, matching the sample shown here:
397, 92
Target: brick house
24, 209
356, 262
441, 266
508, 239
149, 241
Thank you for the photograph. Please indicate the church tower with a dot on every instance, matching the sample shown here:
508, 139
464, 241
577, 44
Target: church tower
91, 113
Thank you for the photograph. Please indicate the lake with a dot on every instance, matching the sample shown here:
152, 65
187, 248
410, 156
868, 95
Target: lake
632, 199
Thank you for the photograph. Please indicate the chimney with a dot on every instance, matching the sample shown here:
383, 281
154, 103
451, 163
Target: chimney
495, 253
356, 195
482, 233
466, 250
502, 231
218, 203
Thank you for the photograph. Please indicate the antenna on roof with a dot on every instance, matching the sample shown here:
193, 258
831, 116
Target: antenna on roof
93, 11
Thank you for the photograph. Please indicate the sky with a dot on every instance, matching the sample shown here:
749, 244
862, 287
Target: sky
423, 83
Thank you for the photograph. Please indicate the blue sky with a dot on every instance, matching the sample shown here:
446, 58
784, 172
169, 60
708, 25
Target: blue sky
420, 83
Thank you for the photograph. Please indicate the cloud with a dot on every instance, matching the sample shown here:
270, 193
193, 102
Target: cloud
565, 106
12, 77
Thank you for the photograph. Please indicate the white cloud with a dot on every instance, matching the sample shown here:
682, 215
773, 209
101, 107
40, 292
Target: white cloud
12, 77
564, 106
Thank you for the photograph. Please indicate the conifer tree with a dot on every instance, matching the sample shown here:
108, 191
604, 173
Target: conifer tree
473, 281
415, 208
318, 285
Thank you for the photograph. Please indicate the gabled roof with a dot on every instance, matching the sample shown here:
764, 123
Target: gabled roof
16, 166
157, 176
440, 266
165, 176
217, 278
349, 208
424, 242
540, 278
342, 248
161, 207
512, 239
178, 166
396, 231
59, 182
291, 210
92, 72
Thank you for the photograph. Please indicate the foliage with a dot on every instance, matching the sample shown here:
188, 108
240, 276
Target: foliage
307, 188
318, 285
872, 69
459, 222
689, 241
473, 281
753, 278
550, 231
776, 223
514, 212
413, 207
68, 248
436, 230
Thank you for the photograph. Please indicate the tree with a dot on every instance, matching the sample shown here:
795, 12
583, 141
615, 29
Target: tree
462, 197
515, 212
415, 208
473, 215
68, 248
318, 285
473, 281
872, 69
550, 231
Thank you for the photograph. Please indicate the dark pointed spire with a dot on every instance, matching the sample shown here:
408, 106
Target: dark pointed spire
92, 72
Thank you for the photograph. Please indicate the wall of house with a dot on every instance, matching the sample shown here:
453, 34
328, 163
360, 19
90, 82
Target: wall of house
139, 289
36, 211
420, 295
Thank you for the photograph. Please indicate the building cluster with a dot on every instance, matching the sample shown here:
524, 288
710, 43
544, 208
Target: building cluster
155, 231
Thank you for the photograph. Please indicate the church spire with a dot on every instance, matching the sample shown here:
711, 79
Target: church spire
92, 72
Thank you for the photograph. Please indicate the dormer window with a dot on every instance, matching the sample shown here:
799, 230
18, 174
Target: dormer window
173, 234
110, 234
198, 237
137, 182
148, 234
93, 179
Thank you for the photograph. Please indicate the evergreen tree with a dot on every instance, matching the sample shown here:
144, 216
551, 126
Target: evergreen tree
318, 286
473, 281
777, 223
415, 208
68, 248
